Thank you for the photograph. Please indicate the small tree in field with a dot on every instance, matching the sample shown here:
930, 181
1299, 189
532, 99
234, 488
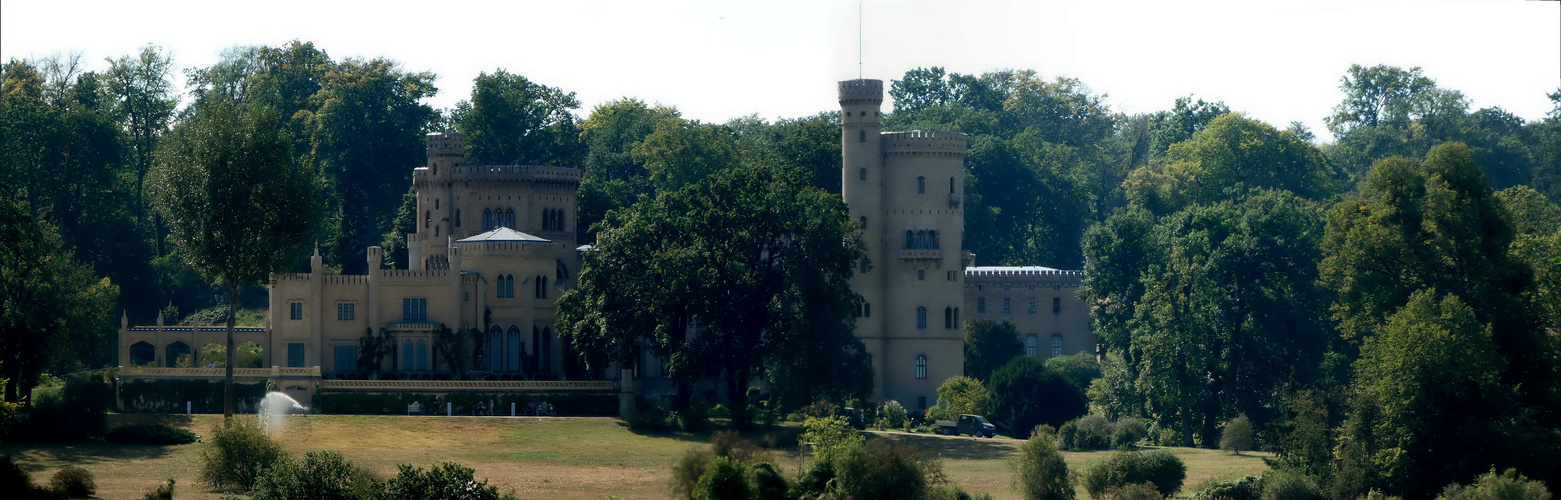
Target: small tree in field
238, 206
1040, 473
1237, 436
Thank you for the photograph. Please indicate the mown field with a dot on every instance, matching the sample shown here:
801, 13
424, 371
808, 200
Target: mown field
560, 457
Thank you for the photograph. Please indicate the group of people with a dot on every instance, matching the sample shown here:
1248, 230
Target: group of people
489, 407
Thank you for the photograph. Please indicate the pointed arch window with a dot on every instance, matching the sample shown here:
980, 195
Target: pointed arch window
861, 174
513, 349
509, 218
861, 136
921, 184
495, 346
487, 219
951, 185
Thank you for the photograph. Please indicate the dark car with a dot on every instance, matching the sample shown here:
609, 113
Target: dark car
853, 417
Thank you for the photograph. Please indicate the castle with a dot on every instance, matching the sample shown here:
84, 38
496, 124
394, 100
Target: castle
494, 249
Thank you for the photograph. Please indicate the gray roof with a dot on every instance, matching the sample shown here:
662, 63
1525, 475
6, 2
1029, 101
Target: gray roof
504, 234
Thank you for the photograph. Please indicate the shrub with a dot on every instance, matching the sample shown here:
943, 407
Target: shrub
881, 470
819, 409
696, 463
961, 395
1023, 394
1132, 467
162, 492
1245, 488
236, 454
720, 411
1040, 472
17, 483
73, 482
322, 475
1080, 368
1086, 433
955, 493
448, 481
768, 483
1509, 485
1237, 436
75, 412
150, 434
724, 479
892, 414
830, 437
1290, 486
1126, 432
1138, 491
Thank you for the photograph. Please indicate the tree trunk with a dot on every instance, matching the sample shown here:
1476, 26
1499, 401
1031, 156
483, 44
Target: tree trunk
736, 396
227, 382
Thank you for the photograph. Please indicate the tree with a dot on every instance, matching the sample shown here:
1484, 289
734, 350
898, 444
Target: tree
960, 396
720, 276
512, 121
51, 306
1430, 391
238, 205
681, 152
1080, 368
143, 100
988, 346
1233, 155
1024, 394
1040, 472
1118, 252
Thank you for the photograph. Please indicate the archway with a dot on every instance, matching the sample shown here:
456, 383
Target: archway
143, 354
251, 355
177, 355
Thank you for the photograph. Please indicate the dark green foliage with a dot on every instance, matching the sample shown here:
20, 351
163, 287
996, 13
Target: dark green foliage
1080, 368
1509, 485
512, 121
1040, 471
1126, 432
724, 479
235, 456
1136, 491
169, 396
1086, 433
988, 346
1245, 488
150, 434
1024, 394
881, 470
73, 482
396, 404
769, 483
689, 473
162, 492
1123, 468
1290, 486
1237, 435
75, 412
15, 482
323, 475
448, 481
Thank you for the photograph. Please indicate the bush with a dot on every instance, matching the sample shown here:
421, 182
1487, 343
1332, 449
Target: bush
1237, 436
17, 483
960, 396
169, 396
75, 412
1126, 432
447, 481
1086, 433
881, 470
768, 483
892, 414
162, 492
150, 434
1132, 467
1080, 368
1509, 485
322, 475
1023, 394
955, 493
1139, 491
696, 463
73, 482
1290, 486
1245, 488
1040, 472
724, 479
235, 456
819, 409
830, 437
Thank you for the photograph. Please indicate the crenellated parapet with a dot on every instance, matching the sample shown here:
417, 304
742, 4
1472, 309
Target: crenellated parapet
919, 143
498, 176
861, 92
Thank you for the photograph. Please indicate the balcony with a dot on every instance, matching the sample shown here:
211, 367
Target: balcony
921, 254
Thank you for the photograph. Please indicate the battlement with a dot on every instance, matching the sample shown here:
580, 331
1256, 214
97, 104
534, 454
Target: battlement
861, 92
441, 144
917, 141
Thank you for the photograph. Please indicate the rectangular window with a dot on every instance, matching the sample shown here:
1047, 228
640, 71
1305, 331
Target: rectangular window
921, 275
1056, 305
951, 275
295, 354
414, 309
295, 310
346, 311
1031, 305
346, 358
1007, 305
981, 304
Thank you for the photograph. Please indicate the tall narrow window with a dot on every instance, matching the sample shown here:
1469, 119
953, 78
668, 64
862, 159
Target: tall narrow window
956, 317
921, 366
981, 305
512, 349
1056, 305
867, 310
863, 223
861, 136
910, 239
948, 318
921, 184
457, 217
487, 219
495, 347
295, 310
1031, 345
1030, 306
428, 218
861, 174
921, 275
1007, 305
1056, 345
295, 354
422, 355
921, 318
951, 185
509, 218
346, 358
932, 239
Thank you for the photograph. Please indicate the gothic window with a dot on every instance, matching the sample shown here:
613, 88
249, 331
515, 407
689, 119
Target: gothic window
174, 351
867, 310
863, 223
487, 219
951, 185
932, 239
921, 318
509, 218
921, 366
495, 346
910, 239
948, 318
1031, 345
436, 203
547, 220
921, 275
956, 317
1056, 345
513, 349
921, 239
142, 354
428, 219
921, 184
560, 225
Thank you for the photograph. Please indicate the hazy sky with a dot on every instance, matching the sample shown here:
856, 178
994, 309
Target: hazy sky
1276, 61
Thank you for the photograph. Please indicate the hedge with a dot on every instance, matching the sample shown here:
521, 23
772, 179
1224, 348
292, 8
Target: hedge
169, 396
396, 403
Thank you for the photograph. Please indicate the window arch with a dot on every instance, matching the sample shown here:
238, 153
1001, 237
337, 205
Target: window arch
536, 344
956, 317
910, 239
487, 219
1031, 345
948, 318
867, 310
1056, 345
560, 225
932, 239
921, 366
509, 218
921, 184
547, 220
174, 351
863, 223
143, 353
921, 239
921, 318
513, 349
495, 347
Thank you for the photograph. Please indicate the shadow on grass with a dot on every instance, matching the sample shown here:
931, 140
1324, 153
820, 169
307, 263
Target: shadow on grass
774, 437
42, 456
169, 419
953, 448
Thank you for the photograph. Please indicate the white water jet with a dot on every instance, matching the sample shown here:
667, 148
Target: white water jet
274, 410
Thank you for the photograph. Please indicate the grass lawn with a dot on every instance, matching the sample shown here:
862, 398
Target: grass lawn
560, 457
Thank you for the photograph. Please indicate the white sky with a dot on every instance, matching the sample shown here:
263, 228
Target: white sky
1278, 61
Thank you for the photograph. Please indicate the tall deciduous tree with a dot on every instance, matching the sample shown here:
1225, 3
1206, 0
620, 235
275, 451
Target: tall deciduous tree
721, 276
143, 99
238, 204
51, 306
512, 121
988, 346
1024, 394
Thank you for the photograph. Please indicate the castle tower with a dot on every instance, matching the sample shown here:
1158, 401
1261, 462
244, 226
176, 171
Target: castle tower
906, 190
435, 206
